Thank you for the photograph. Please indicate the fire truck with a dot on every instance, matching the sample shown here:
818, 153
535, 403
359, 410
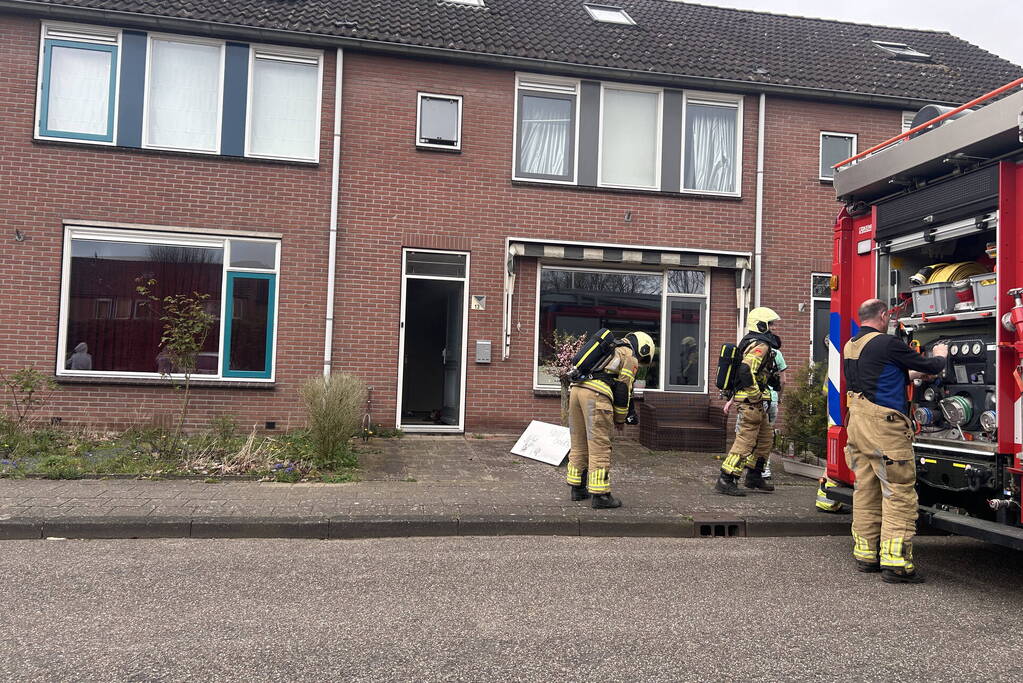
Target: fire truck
932, 224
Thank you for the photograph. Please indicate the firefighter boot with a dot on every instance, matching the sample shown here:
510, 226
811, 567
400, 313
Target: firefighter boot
727, 484
579, 491
755, 479
901, 576
867, 567
605, 501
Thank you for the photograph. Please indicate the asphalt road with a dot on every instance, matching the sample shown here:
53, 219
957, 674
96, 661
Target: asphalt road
512, 608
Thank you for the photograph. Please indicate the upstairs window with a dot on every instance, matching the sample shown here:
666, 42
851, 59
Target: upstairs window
835, 147
609, 14
183, 94
78, 83
546, 131
439, 121
630, 138
284, 104
712, 156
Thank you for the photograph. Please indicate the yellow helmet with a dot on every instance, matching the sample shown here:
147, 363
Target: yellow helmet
643, 344
759, 319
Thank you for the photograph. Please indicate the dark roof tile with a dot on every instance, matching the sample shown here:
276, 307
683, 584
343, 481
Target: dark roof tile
669, 37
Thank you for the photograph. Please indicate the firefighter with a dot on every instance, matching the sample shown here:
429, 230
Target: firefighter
752, 445
596, 404
879, 451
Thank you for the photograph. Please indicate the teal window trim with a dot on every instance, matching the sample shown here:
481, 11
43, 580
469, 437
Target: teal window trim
44, 129
271, 309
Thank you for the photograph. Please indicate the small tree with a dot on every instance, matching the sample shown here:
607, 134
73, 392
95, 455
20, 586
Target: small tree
564, 346
29, 391
806, 411
186, 326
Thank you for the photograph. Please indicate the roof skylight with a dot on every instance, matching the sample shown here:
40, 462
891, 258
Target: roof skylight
471, 3
901, 50
609, 14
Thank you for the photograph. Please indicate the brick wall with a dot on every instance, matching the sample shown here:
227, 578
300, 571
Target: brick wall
393, 196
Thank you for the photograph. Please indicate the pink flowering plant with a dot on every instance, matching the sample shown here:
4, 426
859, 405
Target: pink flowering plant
558, 364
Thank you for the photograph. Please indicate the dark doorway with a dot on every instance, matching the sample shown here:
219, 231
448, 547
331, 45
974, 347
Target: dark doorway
432, 362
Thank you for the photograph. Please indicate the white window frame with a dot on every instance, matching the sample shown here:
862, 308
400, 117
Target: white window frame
558, 86
140, 236
604, 87
82, 33
282, 54
662, 367
173, 37
820, 150
713, 99
907, 120
457, 147
814, 299
592, 8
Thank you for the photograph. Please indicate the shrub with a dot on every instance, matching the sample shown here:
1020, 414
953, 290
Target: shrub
334, 405
806, 412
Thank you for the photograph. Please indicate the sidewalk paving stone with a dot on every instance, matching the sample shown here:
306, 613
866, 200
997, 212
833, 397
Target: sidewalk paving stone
417, 486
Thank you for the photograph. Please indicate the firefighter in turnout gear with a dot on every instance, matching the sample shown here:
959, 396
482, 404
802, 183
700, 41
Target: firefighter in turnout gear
878, 367
752, 445
597, 404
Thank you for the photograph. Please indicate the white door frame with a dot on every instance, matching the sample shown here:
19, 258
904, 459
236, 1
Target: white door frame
460, 427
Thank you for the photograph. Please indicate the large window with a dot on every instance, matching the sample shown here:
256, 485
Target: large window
284, 104
712, 158
78, 84
109, 328
835, 147
546, 131
630, 138
670, 306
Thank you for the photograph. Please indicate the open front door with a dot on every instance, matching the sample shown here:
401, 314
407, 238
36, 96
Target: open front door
431, 371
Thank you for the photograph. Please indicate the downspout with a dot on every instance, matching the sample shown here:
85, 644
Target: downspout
335, 175
758, 250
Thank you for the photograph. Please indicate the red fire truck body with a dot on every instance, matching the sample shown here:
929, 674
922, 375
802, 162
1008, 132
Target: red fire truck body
933, 226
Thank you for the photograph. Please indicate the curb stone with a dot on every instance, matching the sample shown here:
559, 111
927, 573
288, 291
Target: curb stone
397, 526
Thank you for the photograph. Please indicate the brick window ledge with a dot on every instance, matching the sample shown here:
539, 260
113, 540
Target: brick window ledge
160, 382
691, 194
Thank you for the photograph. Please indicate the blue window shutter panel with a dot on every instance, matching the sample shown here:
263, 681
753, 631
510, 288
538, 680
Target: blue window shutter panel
133, 87
236, 90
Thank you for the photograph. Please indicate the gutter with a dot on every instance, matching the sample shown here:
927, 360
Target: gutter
758, 247
236, 31
335, 192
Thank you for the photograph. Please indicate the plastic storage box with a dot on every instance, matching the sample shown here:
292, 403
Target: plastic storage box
985, 290
933, 298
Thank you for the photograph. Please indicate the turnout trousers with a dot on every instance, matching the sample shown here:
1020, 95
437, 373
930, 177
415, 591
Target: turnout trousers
879, 451
753, 439
590, 421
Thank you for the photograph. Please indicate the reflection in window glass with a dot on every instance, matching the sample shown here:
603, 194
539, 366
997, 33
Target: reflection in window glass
113, 328
250, 315
246, 254
576, 302
434, 263
685, 353
686, 281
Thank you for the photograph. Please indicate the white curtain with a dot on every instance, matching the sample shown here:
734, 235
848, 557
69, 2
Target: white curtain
183, 96
710, 148
284, 111
545, 136
629, 138
79, 99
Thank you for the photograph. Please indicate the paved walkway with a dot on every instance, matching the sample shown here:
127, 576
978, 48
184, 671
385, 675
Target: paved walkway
421, 485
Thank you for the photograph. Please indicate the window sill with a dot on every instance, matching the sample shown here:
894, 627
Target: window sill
160, 382
556, 393
442, 150
620, 190
173, 153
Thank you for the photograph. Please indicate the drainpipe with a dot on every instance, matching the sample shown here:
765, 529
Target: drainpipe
335, 174
758, 250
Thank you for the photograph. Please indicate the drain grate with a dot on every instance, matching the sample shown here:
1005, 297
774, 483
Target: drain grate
719, 527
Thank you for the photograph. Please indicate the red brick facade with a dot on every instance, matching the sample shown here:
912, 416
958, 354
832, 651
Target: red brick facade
392, 195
